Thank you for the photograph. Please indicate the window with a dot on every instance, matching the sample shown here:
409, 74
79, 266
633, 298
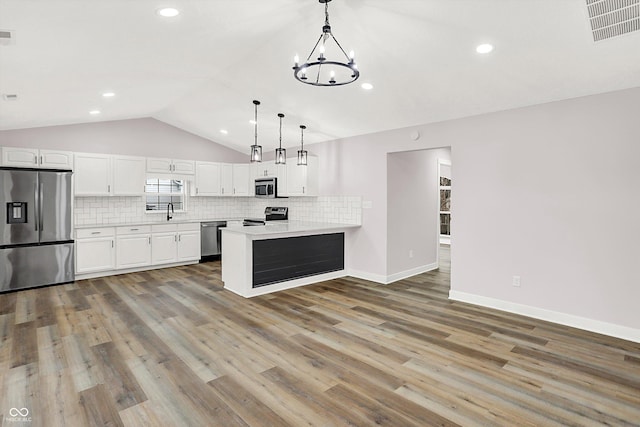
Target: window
160, 192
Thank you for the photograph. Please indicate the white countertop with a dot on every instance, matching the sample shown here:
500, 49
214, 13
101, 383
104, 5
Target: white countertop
286, 227
173, 221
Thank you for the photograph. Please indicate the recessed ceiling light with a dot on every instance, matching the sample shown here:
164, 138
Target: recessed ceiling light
108, 94
168, 12
224, 131
94, 112
484, 48
366, 86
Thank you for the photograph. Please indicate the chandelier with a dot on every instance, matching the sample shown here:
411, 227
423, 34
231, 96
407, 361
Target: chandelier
322, 71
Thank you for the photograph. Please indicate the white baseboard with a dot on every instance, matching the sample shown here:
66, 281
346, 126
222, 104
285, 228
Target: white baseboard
385, 280
611, 329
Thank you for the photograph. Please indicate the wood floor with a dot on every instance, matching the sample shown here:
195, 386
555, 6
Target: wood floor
172, 348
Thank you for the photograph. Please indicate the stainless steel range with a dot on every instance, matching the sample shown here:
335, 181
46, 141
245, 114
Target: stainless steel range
36, 247
270, 214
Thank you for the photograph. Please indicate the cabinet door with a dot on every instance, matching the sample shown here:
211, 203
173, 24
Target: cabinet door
92, 174
207, 179
189, 246
133, 251
184, 167
296, 179
128, 176
20, 157
95, 255
159, 165
56, 159
226, 179
241, 180
163, 248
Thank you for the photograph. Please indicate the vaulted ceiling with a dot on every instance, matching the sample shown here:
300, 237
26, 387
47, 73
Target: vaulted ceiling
201, 70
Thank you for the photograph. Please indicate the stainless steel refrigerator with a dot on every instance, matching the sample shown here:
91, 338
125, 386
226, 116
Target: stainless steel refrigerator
36, 246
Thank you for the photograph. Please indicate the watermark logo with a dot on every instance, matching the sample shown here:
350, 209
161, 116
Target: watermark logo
18, 415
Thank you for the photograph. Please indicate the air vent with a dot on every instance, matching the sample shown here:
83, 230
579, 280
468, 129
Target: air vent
612, 18
7, 37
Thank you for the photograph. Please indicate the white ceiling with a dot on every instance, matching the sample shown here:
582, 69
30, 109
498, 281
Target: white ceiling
201, 70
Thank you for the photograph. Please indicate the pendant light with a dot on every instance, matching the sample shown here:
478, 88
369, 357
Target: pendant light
256, 150
302, 153
281, 153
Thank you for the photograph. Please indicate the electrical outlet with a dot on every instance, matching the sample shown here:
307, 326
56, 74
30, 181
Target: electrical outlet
516, 281
410, 253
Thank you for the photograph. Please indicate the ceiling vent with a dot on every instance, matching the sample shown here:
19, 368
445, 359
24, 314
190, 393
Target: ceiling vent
7, 37
612, 18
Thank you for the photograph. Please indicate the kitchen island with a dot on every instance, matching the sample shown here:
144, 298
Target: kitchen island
279, 255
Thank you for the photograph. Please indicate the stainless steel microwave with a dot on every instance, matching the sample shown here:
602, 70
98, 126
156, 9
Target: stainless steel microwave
266, 188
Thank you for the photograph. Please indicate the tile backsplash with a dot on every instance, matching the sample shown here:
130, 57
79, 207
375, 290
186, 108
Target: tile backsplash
131, 210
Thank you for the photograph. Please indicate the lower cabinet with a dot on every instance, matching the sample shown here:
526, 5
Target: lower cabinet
95, 250
133, 246
115, 248
175, 243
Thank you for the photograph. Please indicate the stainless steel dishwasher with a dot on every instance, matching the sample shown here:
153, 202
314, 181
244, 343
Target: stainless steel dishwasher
211, 238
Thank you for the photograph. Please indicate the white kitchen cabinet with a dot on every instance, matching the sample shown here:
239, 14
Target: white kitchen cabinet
189, 242
175, 166
133, 246
302, 180
128, 176
95, 250
264, 169
35, 158
175, 242
92, 175
226, 179
234, 180
208, 179
164, 248
242, 180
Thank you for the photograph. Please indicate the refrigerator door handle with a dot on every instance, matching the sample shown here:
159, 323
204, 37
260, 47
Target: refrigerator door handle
40, 213
37, 205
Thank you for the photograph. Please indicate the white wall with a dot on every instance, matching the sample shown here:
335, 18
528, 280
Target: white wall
413, 211
137, 137
550, 193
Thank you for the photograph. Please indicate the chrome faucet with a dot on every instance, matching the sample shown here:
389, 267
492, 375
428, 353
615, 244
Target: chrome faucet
169, 205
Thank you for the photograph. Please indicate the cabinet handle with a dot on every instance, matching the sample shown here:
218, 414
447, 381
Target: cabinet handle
303, 189
149, 239
96, 232
175, 238
108, 188
222, 190
196, 190
112, 243
134, 229
179, 237
40, 159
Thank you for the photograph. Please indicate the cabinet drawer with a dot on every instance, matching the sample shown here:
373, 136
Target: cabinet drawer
191, 226
87, 233
134, 229
164, 228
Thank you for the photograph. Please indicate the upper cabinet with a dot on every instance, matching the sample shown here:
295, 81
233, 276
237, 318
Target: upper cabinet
35, 158
208, 179
302, 180
242, 180
128, 176
223, 179
181, 167
92, 175
106, 175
